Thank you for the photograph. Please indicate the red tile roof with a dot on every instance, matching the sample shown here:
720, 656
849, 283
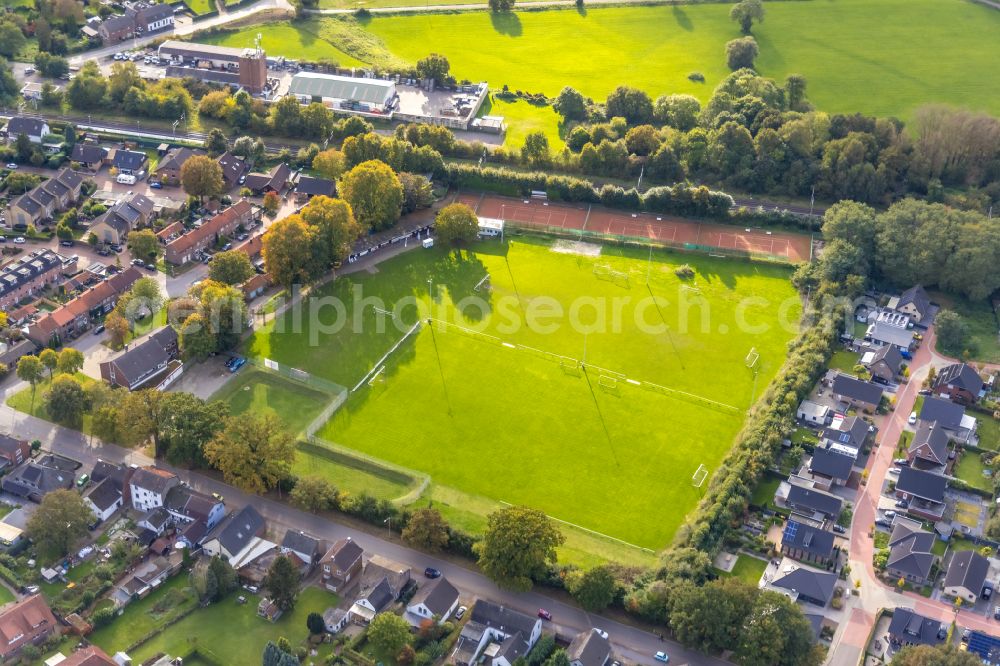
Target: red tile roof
210, 228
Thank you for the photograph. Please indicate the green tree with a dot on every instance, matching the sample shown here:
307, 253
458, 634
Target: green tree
741, 53
123, 78
571, 104
70, 361
232, 267
519, 545
190, 423
117, 328
746, 12
12, 40
594, 589
144, 244
642, 140
288, 252
435, 66
375, 194
456, 223
389, 632
282, 583
65, 400
271, 204
201, 176
250, 148
632, 104
253, 453
335, 231
89, 89
224, 309
315, 624
31, 370
501, 5
314, 494
226, 577
710, 617
216, 142
775, 633
330, 163
58, 523
196, 338
142, 415
275, 656
9, 88
426, 529
952, 331
51, 66
536, 148
941, 655
50, 359
417, 192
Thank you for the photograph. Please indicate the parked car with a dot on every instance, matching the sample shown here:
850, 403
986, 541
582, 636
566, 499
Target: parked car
138, 262
913, 418
890, 514
600, 632
901, 462
460, 613
150, 267
661, 656
839, 529
894, 470
240, 362
156, 186
99, 329
66, 243
987, 591
83, 480
544, 614
431, 572
11, 166
902, 504
19, 240
3, 239
924, 392
996, 613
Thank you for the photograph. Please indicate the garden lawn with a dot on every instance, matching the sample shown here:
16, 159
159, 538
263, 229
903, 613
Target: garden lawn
970, 469
989, 432
21, 401
852, 57
299, 41
512, 426
199, 7
6, 596
984, 332
233, 631
748, 569
141, 617
523, 118
261, 392
844, 361
351, 474
763, 494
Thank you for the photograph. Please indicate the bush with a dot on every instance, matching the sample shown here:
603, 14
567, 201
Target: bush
696, 76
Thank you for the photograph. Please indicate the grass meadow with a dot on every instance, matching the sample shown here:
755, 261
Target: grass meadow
199, 7
260, 392
507, 425
300, 40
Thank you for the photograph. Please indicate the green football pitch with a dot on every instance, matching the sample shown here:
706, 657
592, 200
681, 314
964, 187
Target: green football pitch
485, 415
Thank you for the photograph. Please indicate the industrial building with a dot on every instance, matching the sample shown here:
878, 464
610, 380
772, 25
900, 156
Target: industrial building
345, 93
239, 68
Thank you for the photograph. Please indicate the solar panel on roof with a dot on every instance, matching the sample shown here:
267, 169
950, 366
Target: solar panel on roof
791, 529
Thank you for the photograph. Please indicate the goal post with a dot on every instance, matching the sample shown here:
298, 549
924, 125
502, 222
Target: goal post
483, 285
378, 377
607, 382
752, 358
699, 476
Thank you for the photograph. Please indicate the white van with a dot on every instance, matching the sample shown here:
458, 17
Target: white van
126, 179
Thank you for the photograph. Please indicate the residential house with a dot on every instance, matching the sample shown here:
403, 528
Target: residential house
308, 187
34, 480
306, 547
168, 171
152, 363
914, 303
11, 354
813, 413
148, 487
846, 434
274, 180
119, 474
950, 416
233, 169
103, 499
11, 536
69, 320
382, 581
187, 505
966, 576
147, 577
255, 286
155, 520
514, 632
89, 155
128, 213
809, 585
435, 600
268, 610
924, 491
33, 128
910, 552
588, 648
828, 468
885, 363
813, 503
41, 203
115, 29
89, 656
887, 327
929, 448
342, 565
182, 249
13, 451
984, 646
238, 538
806, 543
959, 382
153, 18
28, 622
127, 161
908, 628
856, 393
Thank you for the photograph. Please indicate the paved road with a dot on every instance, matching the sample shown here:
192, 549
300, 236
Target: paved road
635, 645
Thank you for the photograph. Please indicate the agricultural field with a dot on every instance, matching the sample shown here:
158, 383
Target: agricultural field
476, 398
853, 59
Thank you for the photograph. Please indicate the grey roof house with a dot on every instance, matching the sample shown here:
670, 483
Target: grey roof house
810, 502
966, 575
151, 363
910, 552
815, 587
832, 465
929, 448
435, 600
909, 628
924, 490
806, 543
513, 631
857, 393
913, 302
588, 648
307, 547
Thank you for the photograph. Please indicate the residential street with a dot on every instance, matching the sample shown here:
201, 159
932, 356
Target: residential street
630, 643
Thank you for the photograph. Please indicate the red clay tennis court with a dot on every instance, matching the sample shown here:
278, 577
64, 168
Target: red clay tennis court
662, 228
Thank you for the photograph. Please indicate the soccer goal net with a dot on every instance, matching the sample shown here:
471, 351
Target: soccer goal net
699, 476
378, 377
483, 285
605, 272
752, 358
